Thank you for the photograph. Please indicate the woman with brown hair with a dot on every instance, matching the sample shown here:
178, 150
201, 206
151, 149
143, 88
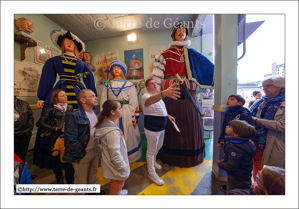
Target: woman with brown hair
115, 162
269, 181
51, 123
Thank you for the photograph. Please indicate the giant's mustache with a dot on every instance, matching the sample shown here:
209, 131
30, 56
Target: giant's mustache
181, 34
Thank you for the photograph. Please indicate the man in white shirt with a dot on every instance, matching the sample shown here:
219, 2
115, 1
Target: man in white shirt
155, 120
81, 147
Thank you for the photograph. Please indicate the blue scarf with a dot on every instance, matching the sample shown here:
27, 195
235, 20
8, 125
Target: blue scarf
272, 105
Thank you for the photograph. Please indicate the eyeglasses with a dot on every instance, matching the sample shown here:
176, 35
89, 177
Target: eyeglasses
16, 89
257, 177
266, 86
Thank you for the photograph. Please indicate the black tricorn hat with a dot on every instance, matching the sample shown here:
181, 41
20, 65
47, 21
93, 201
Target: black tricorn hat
179, 24
58, 36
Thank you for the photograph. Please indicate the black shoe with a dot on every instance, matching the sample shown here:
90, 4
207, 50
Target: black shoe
223, 188
33, 177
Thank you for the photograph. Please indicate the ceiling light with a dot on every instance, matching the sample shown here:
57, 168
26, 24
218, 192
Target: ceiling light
132, 37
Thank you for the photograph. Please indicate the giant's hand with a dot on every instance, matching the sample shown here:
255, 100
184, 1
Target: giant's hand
172, 92
40, 104
135, 123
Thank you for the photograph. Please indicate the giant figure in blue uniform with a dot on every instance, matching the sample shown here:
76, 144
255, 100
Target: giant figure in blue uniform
69, 69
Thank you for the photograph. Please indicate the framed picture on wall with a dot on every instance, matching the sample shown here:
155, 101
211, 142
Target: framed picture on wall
43, 52
134, 61
208, 95
207, 110
27, 76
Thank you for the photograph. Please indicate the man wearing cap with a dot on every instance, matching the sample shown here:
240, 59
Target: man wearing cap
70, 70
184, 148
124, 91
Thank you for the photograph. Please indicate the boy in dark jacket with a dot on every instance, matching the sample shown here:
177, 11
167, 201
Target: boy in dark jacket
235, 111
238, 153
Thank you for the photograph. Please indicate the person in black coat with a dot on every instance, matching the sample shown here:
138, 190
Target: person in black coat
23, 125
51, 123
235, 111
238, 153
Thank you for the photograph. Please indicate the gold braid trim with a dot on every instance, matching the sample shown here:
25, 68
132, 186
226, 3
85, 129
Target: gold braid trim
173, 52
189, 73
174, 60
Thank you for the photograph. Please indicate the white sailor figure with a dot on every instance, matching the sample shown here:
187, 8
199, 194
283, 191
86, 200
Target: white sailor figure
125, 92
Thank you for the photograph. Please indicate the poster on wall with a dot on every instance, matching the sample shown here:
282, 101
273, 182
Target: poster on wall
153, 51
101, 62
27, 76
43, 52
134, 62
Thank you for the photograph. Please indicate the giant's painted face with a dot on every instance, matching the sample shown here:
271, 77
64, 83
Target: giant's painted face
117, 72
180, 34
87, 57
69, 45
25, 25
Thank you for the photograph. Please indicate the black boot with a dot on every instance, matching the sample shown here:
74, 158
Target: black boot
33, 177
223, 188
60, 181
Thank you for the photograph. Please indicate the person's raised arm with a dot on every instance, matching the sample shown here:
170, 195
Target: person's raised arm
170, 92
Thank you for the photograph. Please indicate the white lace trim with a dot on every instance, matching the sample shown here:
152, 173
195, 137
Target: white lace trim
180, 43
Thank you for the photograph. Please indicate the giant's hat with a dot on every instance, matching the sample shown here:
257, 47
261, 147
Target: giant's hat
120, 64
58, 36
179, 24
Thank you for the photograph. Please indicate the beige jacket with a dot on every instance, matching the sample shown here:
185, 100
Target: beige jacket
274, 153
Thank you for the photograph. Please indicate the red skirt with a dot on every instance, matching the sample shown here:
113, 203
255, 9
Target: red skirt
185, 148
